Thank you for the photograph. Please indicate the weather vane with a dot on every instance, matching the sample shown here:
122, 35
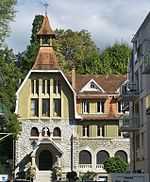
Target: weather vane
46, 8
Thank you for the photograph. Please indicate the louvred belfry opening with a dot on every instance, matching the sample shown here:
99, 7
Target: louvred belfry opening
46, 58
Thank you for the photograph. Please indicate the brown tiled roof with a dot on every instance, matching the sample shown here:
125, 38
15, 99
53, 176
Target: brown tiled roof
46, 59
109, 83
46, 28
100, 117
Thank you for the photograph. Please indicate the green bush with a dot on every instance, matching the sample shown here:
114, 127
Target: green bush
115, 165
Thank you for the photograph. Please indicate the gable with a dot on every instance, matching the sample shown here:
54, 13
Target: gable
92, 86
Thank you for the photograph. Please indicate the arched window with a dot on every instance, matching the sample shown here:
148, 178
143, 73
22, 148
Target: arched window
122, 155
45, 132
102, 156
85, 157
34, 132
57, 132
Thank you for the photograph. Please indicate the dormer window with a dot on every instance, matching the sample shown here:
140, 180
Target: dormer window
92, 85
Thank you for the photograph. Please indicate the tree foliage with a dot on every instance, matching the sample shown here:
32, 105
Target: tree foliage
7, 13
115, 165
27, 58
11, 75
77, 48
115, 59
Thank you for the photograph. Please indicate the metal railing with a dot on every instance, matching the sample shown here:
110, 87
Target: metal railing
129, 90
128, 123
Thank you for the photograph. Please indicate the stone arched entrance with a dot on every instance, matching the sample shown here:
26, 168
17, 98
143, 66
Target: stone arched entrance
45, 160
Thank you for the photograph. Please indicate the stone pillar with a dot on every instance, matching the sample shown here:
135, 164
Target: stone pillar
33, 161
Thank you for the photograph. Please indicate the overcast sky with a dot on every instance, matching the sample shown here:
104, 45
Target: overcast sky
108, 21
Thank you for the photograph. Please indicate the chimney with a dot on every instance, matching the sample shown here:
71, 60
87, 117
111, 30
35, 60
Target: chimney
73, 77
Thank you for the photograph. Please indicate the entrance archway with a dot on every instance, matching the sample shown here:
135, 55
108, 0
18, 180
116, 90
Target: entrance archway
45, 160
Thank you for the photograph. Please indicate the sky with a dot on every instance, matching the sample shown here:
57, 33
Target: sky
108, 21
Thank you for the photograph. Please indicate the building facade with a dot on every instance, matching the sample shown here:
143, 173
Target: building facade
136, 92
69, 122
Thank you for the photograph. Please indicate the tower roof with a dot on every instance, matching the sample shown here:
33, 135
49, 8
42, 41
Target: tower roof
46, 59
46, 28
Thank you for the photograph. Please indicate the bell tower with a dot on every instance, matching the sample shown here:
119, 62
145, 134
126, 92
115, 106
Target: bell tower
46, 34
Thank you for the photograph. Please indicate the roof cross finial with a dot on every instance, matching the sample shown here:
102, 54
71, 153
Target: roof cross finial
46, 7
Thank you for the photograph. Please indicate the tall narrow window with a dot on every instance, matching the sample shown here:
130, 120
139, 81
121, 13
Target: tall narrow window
48, 86
100, 106
37, 86
57, 107
119, 106
85, 106
86, 131
45, 107
43, 86
32, 86
56, 86
98, 130
34, 107
103, 131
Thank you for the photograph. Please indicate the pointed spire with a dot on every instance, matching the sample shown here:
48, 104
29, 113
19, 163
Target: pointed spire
46, 29
46, 58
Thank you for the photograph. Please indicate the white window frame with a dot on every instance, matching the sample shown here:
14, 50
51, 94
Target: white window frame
86, 128
85, 106
100, 105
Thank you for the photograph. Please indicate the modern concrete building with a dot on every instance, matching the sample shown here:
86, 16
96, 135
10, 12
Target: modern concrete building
69, 122
136, 92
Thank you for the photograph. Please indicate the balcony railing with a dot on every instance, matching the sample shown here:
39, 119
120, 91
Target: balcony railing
85, 166
129, 91
129, 123
91, 167
146, 65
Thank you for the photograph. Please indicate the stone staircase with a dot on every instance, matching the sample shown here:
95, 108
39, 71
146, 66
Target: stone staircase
44, 176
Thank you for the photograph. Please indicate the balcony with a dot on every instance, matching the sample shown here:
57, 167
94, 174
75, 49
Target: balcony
146, 65
129, 91
128, 123
91, 167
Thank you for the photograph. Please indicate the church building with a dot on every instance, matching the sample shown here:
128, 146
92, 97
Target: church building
68, 122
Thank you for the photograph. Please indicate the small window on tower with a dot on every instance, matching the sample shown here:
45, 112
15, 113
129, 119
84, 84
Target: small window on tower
34, 107
45, 40
45, 107
56, 86
34, 86
57, 107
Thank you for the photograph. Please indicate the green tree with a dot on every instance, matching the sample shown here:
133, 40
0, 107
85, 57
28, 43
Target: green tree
11, 75
114, 59
88, 176
7, 13
115, 165
77, 49
27, 58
